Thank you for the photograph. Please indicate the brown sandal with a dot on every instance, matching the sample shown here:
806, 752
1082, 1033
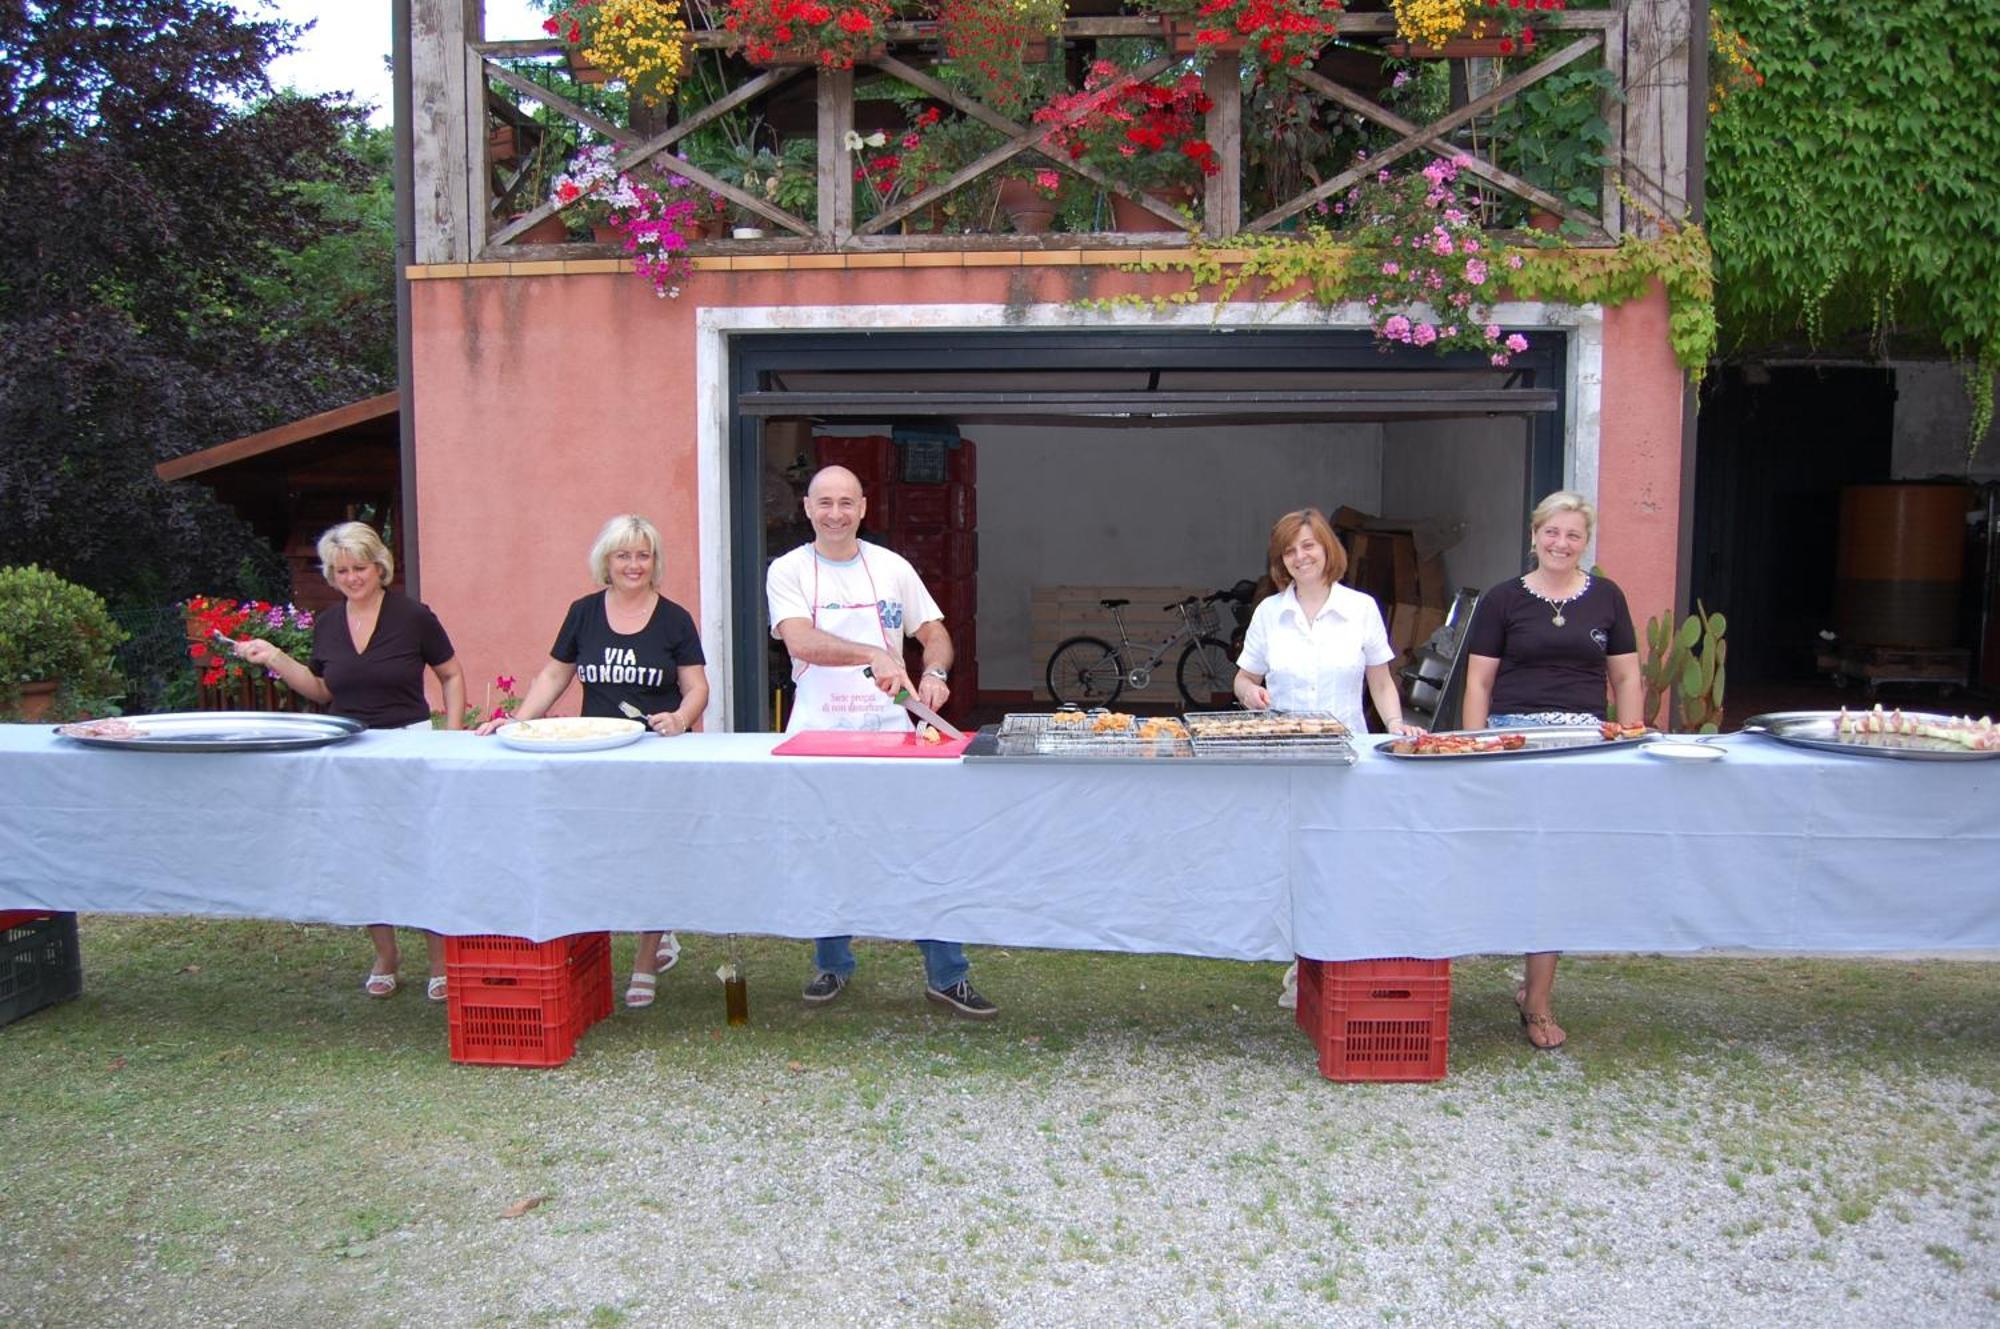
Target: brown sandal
1531, 1023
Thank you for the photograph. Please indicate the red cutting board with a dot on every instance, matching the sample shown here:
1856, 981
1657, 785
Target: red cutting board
865, 743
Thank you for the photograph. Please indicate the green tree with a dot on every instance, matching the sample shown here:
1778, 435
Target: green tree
155, 198
1856, 189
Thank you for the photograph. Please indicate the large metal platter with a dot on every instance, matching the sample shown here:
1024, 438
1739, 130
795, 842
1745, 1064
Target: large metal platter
1551, 741
224, 731
1816, 730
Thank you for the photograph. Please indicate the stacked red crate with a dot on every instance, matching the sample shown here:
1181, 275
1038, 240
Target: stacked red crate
514, 1002
935, 526
872, 458
1377, 1019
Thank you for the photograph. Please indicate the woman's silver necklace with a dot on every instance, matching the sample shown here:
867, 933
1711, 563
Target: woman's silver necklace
1558, 605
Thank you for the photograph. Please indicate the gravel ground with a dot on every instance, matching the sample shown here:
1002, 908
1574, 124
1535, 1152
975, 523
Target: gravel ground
1760, 1144
1120, 1185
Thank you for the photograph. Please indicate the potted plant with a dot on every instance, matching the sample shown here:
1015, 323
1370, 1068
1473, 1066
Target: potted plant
832, 34
1554, 136
1277, 34
640, 43
995, 47
929, 151
230, 683
1465, 29
1420, 259
786, 176
56, 644
652, 211
1146, 137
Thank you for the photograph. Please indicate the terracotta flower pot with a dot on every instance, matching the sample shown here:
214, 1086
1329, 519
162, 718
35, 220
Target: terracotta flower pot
1132, 219
582, 70
1481, 39
1028, 210
604, 233
548, 231
792, 57
36, 699
1181, 34
1541, 219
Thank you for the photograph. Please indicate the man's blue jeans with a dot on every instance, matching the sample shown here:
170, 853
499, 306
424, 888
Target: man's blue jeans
944, 961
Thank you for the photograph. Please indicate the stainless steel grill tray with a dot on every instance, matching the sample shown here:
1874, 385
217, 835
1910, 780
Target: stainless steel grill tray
1262, 726
1315, 749
1031, 737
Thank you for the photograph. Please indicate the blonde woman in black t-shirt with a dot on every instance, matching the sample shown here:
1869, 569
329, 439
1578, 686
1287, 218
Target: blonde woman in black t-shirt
627, 643
1544, 649
368, 661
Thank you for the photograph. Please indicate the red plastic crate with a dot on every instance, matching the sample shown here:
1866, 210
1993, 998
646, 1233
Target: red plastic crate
934, 507
490, 949
872, 457
940, 555
963, 462
513, 1002
1377, 1019
958, 599
13, 918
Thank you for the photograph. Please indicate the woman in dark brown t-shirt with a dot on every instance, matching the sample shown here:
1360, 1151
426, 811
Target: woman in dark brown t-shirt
1544, 649
368, 660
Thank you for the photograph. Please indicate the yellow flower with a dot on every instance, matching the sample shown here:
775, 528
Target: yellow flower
1429, 22
642, 43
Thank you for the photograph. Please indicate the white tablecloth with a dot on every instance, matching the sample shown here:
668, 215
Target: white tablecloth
1769, 848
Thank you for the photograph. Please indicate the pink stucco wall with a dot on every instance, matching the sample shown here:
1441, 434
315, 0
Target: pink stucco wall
545, 404
1639, 457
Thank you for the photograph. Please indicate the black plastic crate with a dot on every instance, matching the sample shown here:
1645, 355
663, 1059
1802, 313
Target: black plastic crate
40, 965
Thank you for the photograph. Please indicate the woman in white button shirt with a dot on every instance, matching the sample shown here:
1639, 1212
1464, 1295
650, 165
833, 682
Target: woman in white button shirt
1311, 647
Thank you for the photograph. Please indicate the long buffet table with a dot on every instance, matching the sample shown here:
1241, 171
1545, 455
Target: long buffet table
1771, 848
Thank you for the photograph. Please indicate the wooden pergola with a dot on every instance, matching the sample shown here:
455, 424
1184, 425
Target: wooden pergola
459, 80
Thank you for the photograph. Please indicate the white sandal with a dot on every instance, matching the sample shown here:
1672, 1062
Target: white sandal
435, 987
640, 991
669, 953
379, 985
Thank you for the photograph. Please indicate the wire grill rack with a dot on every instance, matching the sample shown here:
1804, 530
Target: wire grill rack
1227, 738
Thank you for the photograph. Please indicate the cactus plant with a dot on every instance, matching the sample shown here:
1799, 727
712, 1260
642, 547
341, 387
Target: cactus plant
1687, 667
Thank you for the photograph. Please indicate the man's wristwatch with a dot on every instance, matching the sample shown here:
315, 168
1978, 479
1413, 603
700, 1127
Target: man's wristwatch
940, 675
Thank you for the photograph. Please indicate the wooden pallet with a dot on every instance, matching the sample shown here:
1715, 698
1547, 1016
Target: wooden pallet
1945, 667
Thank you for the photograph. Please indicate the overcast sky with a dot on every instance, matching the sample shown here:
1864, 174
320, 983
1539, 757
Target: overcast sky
348, 47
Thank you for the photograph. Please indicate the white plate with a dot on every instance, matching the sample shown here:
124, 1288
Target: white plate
571, 734
1668, 749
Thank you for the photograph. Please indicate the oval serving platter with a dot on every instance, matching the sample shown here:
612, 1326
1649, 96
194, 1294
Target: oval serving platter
1819, 731
1547, 741
571, 733
213, 731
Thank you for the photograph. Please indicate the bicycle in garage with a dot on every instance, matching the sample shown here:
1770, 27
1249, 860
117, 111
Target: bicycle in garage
1089, 671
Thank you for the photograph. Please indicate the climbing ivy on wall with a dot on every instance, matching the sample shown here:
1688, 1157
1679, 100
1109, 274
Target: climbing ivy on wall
1858, 188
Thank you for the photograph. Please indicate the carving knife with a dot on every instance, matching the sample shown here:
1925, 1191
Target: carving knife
908, 702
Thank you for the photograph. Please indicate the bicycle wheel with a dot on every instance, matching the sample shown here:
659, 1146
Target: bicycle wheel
1207, 674
1086, 671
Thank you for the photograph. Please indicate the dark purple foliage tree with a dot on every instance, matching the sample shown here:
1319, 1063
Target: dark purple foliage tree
152, 191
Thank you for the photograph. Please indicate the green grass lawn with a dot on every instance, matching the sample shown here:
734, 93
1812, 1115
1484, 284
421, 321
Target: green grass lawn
223, 1129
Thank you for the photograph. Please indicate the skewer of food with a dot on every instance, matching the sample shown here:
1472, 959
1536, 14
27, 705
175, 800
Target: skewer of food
1613, 731
106, 728
1458, 745
1980, 735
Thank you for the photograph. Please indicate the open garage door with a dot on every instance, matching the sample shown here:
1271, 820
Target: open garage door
1122, 460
